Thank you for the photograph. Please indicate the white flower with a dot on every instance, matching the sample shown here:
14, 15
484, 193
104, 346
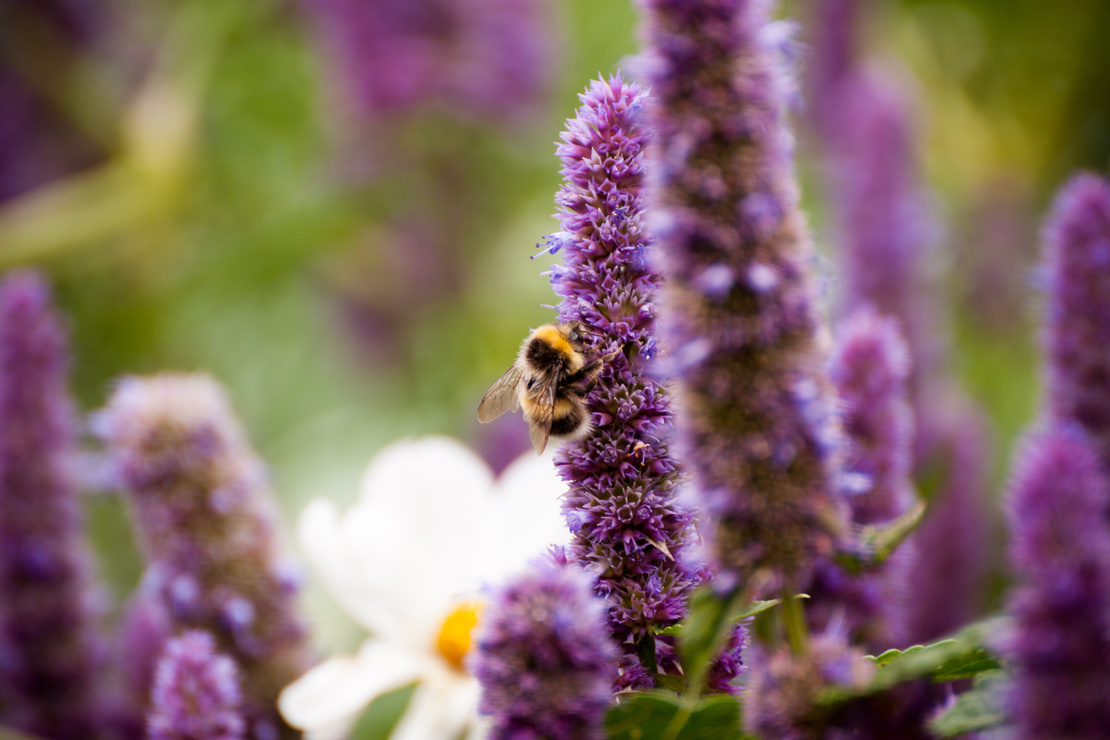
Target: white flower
407, 561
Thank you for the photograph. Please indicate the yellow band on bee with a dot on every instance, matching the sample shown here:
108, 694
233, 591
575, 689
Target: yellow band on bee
555, 339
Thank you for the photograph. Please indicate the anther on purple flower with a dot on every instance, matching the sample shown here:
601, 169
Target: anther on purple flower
621, 498
1061, 551
196, 694
755, 414
49, 649
204, 517
545, 658
1077, 252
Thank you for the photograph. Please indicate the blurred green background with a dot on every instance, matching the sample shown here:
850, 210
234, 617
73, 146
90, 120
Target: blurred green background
223, 212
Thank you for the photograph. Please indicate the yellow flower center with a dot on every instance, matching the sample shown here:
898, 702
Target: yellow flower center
453, 642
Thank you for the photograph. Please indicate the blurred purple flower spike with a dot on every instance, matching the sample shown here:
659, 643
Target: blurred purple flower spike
545, 657
49, 648
484, 58
205, 520
870, 366
1077, 253
196, 693
735, 252
1060, 549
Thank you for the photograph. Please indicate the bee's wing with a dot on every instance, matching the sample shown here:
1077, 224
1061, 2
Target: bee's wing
501, 397
539, 423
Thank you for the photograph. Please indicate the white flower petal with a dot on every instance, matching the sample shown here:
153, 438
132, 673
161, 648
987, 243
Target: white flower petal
526, 518
342, 572
338, 689
441, 708
436, 491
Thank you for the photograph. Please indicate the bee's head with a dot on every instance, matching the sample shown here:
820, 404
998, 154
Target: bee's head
573, 332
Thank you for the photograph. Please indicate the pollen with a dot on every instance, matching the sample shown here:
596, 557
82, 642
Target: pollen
454, 640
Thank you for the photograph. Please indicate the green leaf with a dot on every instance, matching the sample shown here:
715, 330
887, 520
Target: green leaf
876, 543
964, 655
379, 719
980, 708
707, 628
659, 716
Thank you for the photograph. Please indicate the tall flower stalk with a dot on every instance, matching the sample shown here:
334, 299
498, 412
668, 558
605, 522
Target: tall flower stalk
1077, 253
755, 415
869, 367
620, 503
205, 517
884, 241
49, 647
1061, 551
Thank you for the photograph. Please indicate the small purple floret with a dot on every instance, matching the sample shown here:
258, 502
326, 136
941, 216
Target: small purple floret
196, 693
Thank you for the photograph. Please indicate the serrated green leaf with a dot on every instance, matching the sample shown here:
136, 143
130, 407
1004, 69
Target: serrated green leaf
964, 655
658, 716
967, 665
980, 708
382, 715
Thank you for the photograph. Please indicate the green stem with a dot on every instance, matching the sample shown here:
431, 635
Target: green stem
794, 621
645, 649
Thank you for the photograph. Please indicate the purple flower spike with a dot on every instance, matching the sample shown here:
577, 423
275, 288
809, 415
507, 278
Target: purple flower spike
755, 417
545, 657
1061, 550
49, 648
1077, 250
621, 499
870, 367
196, 692
488, 58
205, 522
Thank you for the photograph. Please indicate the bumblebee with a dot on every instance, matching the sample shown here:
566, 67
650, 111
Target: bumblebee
549, 381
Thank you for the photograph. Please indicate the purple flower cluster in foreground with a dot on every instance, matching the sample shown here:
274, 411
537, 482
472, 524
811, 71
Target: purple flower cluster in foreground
49, 648
545, 657
620, 504
1061, 548
196, 692
738, 299
205, 521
